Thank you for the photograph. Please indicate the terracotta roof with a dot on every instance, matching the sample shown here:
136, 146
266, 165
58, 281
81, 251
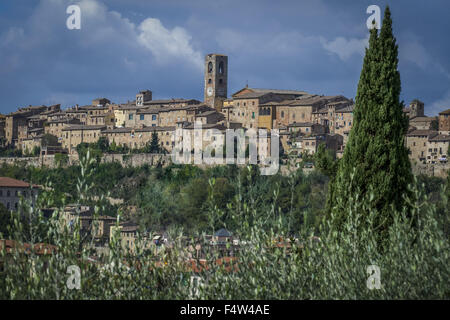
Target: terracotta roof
10, 182
445, 112
440, 137
169, 101
429, 133
422, 119
346, 108
38, 248
144, 129
207, 126
276, 91
301, 124
83, 127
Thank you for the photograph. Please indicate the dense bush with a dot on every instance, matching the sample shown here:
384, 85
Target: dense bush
331, 265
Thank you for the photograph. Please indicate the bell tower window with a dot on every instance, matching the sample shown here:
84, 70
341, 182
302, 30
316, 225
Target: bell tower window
221, 67
210, 67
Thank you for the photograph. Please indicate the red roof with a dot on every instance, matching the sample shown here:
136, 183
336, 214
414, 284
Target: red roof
38, 248
10, 182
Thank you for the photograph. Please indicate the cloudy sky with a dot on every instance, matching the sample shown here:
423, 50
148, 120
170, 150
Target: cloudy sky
129, 45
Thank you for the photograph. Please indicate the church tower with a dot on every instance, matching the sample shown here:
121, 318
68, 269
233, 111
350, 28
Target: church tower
416, 109
216, 79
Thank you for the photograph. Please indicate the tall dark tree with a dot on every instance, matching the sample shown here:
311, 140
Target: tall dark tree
154, 144
375, 158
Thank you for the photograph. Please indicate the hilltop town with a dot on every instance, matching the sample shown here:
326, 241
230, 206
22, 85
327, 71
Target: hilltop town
304, 121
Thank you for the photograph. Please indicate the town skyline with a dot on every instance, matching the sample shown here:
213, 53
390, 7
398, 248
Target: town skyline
161, 48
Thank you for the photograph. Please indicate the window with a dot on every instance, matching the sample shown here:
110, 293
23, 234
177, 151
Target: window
209, 81
141, 117
130, 116
221, 67
253, 115
154, 117
210, 67
220, 81
282, 114
8, 193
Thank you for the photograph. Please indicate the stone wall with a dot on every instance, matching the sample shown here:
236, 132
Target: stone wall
136, 160
437, 170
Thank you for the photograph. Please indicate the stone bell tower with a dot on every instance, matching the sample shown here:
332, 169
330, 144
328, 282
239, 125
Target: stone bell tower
216, 79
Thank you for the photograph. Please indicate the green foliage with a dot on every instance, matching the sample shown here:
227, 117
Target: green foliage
325, 161
49, 140
375, 154
154, 144
61, 159
327, 263
84, 147
10, 151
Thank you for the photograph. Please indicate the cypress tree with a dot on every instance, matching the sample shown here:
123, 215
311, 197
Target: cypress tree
375, 159
154, 144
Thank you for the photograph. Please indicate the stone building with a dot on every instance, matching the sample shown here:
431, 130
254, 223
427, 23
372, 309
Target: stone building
136, 138
415, 109
417, 143
77, 113
437, 148
2, 129
73, 135
55, 127
11, 190
210, 133
209, 117
143, 97
422, 122
17, 122
307, 128
100, 102
444, 122
247, 102
216, 80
